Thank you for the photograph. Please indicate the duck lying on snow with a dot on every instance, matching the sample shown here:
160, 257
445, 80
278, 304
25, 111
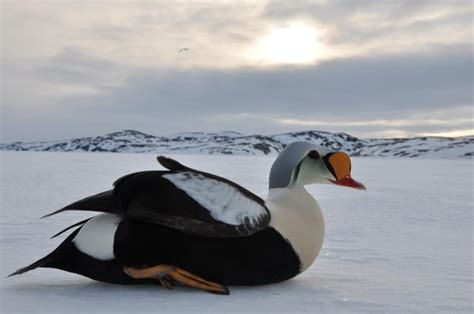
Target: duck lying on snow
184, 226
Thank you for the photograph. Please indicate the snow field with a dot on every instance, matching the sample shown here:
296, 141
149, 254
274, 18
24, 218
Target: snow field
404, 245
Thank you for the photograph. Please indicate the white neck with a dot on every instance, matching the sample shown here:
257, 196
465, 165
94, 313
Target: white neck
297, 217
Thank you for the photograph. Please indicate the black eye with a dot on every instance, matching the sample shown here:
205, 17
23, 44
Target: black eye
314, 154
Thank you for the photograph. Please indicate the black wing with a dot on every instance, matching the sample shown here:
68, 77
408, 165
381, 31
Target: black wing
192, 201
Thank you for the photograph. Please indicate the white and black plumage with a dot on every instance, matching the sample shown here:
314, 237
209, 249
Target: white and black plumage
197, 229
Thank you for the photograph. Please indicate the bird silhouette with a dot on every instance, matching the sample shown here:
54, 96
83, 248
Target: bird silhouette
183, 50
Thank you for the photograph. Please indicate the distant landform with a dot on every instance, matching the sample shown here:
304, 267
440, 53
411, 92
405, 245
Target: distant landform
235, 143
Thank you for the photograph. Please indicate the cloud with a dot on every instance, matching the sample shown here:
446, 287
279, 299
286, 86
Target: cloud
382, 25
367, 93
81, 69
72, 69
352, 88
384, 123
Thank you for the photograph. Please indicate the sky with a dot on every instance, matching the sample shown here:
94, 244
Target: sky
368, 68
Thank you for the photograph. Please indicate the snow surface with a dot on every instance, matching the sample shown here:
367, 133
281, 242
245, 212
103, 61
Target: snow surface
404, 245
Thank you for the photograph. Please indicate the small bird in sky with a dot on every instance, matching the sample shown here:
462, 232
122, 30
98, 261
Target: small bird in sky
183, 50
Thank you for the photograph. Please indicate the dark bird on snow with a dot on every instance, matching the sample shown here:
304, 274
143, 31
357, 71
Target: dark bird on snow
188, 227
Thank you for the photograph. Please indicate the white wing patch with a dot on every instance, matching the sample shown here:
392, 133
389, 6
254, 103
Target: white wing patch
96, 237
223, 201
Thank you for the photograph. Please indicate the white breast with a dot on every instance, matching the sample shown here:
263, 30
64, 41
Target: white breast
96, 237
298, 218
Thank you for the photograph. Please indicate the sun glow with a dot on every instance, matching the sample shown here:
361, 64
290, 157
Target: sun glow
454, 133
294, 43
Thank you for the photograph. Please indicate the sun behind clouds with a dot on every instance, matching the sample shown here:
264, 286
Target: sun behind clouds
294, 43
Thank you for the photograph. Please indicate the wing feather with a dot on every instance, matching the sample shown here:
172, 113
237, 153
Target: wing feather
182, 198
193, 203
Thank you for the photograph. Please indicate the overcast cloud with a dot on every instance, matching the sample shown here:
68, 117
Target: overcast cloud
380, 69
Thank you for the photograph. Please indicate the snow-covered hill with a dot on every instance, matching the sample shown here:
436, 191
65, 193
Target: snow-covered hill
238, 144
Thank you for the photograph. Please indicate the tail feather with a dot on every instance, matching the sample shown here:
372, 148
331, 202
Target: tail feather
48, 258
70, 227
102, 202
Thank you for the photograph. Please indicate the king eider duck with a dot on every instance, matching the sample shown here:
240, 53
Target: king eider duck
187, 227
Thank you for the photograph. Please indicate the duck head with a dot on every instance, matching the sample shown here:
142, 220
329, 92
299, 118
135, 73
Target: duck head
302, 163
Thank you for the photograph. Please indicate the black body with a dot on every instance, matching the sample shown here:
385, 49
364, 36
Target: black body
263, 258
162, 224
